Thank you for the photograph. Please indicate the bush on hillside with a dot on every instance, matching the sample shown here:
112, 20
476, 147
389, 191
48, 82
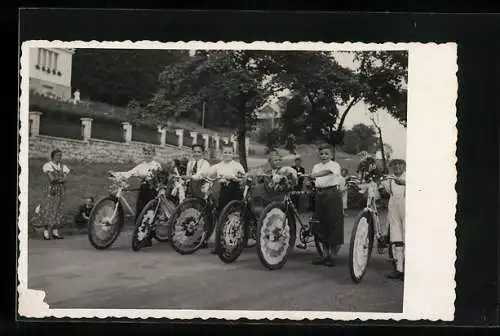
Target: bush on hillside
60, 125
146, 134
107, 130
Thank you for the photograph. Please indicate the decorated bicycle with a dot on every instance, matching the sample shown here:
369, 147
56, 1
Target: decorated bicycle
237, 224
107, 217
194, 219
368, 231
155, 216
277, 227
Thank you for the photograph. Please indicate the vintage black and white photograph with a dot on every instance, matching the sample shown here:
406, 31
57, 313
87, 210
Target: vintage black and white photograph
237, 180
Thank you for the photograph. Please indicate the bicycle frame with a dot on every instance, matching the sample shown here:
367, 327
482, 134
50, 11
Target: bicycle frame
371, 207
289, 206
122, 200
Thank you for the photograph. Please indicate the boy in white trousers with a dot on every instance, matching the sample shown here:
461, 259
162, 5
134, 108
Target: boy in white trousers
396, 186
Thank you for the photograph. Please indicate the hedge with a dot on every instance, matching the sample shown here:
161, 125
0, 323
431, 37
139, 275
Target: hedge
105, 130
171, 138
146, 134
63, 126
188, 141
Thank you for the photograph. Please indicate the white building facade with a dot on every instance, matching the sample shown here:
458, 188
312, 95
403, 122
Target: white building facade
50, 71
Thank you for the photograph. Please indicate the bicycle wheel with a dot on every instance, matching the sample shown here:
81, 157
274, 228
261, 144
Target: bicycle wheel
361, 245
144, 224
276, 233
162, 220
189, 226
231, 232
105, 224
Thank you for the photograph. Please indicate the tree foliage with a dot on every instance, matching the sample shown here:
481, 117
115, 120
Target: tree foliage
360, 138
117, 76
323, 92
384, 76
318, 86
228, 82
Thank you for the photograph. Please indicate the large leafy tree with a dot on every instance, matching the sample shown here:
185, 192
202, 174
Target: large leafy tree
117, 76
318, 86
228, 82
323, 92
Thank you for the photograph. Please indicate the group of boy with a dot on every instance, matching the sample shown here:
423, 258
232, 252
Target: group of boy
329, 201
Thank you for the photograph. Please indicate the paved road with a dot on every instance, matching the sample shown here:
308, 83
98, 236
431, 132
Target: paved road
74, 275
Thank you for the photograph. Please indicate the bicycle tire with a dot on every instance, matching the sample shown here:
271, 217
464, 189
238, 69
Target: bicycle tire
274, 208
191, 203
225, 255
357, 275
94, 241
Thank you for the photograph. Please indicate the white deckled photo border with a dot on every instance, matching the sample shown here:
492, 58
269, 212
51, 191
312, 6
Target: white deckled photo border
429, 288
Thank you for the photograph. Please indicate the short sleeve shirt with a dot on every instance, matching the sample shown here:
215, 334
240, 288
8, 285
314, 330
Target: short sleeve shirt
51, 166
329, 180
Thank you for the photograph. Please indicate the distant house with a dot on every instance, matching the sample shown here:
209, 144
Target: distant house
268, 116
50, 72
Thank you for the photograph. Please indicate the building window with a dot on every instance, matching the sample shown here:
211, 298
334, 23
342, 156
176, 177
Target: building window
38, 58
55, 70
49, 63
47, 60
44, 59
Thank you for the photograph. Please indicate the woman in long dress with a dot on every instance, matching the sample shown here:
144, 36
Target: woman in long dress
50, 214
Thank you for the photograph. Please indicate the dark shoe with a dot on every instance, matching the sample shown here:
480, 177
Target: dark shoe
319, 261
57, 236
46, 235
204, 245
330, 262
301, 246
396, 275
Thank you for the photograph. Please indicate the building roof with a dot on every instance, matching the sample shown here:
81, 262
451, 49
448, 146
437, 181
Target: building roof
268, 112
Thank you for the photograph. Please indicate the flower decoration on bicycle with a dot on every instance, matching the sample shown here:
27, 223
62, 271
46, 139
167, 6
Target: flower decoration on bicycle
153, 221
194, 218
237, 224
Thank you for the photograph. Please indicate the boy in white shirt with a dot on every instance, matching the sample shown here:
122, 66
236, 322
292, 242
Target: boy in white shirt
145, 170
396, 186
194, 169
329, 225
228, 170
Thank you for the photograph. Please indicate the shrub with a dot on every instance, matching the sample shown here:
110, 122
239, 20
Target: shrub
107, 130
145, 134
60, 125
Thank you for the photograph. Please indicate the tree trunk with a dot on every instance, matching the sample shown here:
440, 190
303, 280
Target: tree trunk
382, 151
242, 152
344, 114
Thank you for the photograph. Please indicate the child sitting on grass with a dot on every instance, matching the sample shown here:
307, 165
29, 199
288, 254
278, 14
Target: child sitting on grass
82, 217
